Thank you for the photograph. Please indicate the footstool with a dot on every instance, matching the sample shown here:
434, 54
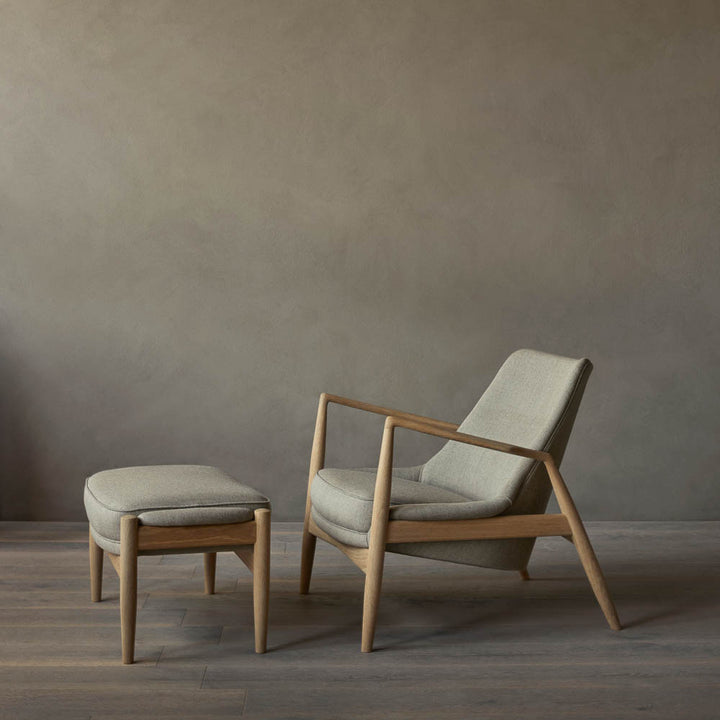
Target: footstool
162, 509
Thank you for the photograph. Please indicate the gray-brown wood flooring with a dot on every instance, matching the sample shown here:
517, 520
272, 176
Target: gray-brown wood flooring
452, 642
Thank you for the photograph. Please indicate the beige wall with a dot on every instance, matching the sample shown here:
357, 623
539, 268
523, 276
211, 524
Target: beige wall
212, 211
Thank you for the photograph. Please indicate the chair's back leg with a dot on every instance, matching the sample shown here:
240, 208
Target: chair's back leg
128, 585
209, 565
584, 548
307, 556
96, 570
595, 576
261, 577
317, 460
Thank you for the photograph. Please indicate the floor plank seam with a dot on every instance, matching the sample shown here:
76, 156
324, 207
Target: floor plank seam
160, 654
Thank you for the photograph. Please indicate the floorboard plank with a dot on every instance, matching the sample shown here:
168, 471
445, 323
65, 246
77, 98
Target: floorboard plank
452, 642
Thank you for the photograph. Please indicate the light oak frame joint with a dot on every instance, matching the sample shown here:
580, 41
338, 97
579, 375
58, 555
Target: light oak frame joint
249, 540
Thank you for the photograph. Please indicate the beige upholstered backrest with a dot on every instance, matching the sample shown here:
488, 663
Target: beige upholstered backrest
532, 402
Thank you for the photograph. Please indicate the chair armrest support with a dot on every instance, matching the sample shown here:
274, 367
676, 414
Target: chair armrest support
383, 483
317, 458
398, 419
381, 499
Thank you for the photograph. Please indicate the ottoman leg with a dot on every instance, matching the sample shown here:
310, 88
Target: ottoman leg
210, 563
261, 577
96, 568
128, 585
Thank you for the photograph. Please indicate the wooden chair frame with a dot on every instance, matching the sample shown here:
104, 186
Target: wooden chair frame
383, 531
250, 541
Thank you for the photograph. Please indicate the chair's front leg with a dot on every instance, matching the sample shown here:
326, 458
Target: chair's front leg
209, 566
96, 569
261, 577
378, 537
128, 585
317, 460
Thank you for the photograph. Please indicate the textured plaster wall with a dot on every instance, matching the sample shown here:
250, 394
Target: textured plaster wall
212, 211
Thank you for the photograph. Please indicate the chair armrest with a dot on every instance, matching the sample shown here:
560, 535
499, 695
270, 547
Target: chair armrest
317, 457
409, 421
383, 483
379, 410
452, 434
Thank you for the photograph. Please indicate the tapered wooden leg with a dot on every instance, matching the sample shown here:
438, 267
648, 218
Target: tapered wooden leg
584, 548
96, 569
317, 459
524, 574
128, 585
371, 600
261, 578
307, 556
210, 563
595, 576
378, 536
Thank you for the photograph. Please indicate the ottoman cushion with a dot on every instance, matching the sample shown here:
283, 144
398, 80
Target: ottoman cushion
165, 495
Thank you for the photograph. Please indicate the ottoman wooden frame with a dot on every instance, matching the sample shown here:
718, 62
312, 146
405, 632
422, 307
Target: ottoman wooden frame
250, 541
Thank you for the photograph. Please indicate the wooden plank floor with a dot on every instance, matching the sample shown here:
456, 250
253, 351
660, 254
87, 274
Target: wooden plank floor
453, 642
